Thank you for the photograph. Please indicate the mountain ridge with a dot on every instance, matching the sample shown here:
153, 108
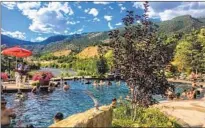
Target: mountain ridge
77, 42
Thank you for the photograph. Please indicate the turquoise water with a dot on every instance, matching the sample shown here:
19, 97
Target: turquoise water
40, 109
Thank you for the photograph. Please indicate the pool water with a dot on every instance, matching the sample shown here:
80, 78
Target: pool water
40, 109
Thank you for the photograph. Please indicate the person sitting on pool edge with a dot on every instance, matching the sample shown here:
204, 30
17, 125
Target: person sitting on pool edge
114, 103
6, 114
36, 89
58, 117
66, 86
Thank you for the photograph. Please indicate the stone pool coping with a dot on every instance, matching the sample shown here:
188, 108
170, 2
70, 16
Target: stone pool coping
89, 118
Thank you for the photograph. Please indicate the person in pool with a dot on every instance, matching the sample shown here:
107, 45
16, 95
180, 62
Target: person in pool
88, 82
6, 114
20, 95
29, 126
101, 83
191, 94
109, 83
36, 89
95, 83
66, 86
2, 87
58, 117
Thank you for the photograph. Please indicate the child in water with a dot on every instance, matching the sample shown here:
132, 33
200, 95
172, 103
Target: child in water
58, 117
66, 86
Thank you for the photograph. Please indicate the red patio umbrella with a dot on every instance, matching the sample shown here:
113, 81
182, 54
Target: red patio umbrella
17, 52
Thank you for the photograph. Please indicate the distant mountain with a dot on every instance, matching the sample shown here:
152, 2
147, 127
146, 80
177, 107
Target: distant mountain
9, 41
35, 46
54, 39
77, 42
180, 24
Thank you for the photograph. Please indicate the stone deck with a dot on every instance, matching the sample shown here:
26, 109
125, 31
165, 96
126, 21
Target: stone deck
190, 112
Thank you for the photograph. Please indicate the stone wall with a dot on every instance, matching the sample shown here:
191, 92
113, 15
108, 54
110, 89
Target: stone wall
90, 118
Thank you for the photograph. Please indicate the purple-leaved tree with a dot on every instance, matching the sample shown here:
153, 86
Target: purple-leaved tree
141, 56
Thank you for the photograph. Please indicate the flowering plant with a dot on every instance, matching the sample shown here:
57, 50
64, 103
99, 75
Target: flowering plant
4, 76
39, 75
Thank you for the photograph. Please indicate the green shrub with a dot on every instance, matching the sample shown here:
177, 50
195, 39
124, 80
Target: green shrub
35, 83
123, 116
169, 74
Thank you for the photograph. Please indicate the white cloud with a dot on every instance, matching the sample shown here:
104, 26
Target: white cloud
104, 3
86, 10
96, 19
9, 5
108, 18
82, 17
195, 9
138, 5
93, 12
15, 34
169, 10
65, 31
111, 8
79, 7
73, 22
120, 5
38, 39
51, 18
28, 5
122, 9
79, 31
118, 24
109, 25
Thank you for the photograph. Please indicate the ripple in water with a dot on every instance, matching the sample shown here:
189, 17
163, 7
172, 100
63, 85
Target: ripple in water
40, 109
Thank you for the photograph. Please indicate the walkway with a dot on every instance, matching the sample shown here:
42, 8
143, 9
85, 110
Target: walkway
189, 113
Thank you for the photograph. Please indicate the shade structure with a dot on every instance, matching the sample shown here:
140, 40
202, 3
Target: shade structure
17, 52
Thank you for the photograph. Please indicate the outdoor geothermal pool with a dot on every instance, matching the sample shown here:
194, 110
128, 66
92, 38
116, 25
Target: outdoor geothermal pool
40, 109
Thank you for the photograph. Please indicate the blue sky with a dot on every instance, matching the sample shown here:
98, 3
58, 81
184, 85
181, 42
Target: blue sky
36, 21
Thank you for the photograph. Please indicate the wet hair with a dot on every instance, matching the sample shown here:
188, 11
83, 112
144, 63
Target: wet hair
19, 92
114, 99
3, 100
65, 82
29, 126
59, 116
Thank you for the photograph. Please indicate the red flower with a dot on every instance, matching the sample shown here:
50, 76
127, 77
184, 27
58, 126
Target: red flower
4, 76
40, 74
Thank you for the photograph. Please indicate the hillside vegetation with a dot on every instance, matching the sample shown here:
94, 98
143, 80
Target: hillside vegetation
89, 52
63, 52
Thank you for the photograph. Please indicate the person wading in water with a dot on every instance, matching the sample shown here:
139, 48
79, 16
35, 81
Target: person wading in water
6, 114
